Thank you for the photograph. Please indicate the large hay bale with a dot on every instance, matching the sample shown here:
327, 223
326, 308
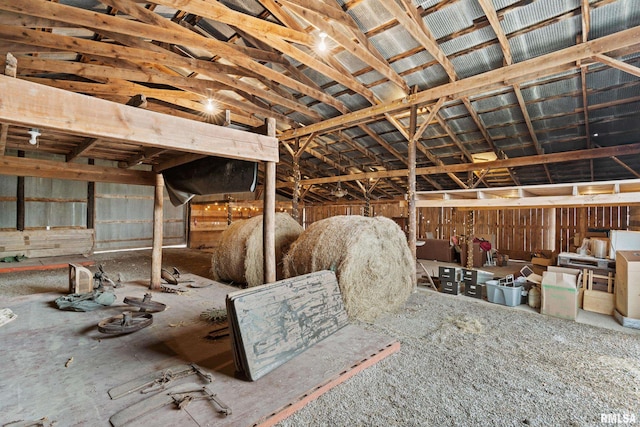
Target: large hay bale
239, 255
370, 256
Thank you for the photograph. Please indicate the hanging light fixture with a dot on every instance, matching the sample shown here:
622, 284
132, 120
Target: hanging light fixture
35, 133
339, 191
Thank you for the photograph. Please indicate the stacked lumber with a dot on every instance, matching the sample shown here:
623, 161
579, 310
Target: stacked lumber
46, 243
270, 324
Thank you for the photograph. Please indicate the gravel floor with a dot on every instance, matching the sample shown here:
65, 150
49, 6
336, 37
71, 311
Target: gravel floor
463, 362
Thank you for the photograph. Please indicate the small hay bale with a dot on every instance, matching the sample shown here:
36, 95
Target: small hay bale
239, 256
370, 256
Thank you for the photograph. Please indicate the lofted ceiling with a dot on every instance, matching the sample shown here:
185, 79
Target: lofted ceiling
494, 93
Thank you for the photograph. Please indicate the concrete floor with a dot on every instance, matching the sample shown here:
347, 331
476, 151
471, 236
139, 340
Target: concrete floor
56, 365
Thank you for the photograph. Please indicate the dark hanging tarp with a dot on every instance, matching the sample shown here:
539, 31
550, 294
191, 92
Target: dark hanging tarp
209, 175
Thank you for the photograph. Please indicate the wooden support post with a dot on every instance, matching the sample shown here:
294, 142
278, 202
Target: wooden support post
91, 201
367, 203
269, 212
20, 206
158, 221
296, 188
470, 233
411, 193
10, 70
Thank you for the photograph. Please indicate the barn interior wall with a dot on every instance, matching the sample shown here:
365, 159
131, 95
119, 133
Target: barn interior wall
123, 215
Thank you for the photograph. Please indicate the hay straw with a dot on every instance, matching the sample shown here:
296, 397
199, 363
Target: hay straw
370, 256
239, 256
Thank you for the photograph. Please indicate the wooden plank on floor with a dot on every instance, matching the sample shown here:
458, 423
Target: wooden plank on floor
46, 263
273, 323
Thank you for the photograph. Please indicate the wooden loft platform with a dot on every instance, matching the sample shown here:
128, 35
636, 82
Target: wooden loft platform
551, 195
108, 128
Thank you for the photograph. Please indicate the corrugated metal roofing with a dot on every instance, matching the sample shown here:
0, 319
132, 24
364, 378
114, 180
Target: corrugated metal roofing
545, 40
478, 61
554, 102
454, 18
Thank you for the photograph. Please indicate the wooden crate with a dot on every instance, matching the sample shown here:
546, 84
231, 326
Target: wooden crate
599, 301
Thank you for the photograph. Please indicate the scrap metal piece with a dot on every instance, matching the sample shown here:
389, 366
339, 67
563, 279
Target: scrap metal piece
223, 331
172, 289
125, 323
182, 399
168, 277
101, 280
180, 395
173, 278
43, 422
158, 380
145, 304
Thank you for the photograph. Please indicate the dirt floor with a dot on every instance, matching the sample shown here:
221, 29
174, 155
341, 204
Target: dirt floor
462, 362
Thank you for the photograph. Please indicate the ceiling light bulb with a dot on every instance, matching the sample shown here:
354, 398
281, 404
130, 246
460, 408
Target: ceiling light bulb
209, 106
35, 133
322, 46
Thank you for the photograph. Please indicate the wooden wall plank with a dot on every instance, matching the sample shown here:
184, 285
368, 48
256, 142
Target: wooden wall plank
45, 243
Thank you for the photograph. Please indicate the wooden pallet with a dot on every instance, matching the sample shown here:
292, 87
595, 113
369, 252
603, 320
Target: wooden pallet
569, 259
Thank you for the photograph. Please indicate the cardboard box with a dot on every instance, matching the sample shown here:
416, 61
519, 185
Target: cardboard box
543, 261
559, 295
623, 240
627, 288
579, 282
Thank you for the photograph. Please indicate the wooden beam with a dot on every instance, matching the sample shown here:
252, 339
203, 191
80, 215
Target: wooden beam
414, 25
569, 156
269, 212
219, 12
156, 250
532, 131
16, 166
355, 48
535, 202
182, 98
492, 17
159, 32
29, 104
411, 184
10, 68
322, 9
20, 200
4, 132
433, 111
620, 65
81, 148
586, 19
585, 111
540, 66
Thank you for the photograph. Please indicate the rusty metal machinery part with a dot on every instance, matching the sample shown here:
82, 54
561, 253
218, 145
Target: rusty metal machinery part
145, 304
168, 277
125, 323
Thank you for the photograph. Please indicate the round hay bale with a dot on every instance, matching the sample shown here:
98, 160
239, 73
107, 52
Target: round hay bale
239, 256
370, 256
